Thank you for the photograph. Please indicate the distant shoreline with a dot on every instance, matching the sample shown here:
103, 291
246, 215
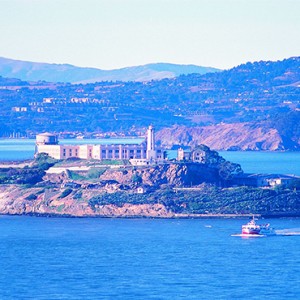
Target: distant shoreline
175, 217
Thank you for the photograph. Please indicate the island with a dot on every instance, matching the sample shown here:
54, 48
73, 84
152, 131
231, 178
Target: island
198, 183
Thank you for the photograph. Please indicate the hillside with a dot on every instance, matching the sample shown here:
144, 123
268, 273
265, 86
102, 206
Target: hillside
33, 71
252, 106
237, 136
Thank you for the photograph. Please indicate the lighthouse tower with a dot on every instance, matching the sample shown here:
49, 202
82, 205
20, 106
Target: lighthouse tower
151, 152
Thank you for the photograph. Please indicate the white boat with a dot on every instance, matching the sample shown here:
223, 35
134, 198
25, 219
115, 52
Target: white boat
252, 229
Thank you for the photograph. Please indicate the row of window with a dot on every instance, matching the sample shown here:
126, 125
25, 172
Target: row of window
70, 152
108, 153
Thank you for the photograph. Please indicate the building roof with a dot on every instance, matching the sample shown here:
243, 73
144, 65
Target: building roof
47, 134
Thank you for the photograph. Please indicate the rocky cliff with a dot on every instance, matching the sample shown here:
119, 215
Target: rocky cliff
14, 200
238, 136
201, 201
170, 174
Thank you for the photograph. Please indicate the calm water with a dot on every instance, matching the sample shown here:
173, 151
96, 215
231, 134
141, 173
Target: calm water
251, 162
265, 162
57, 258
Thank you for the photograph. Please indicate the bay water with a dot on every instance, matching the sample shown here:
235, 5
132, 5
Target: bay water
60, 258
73, 258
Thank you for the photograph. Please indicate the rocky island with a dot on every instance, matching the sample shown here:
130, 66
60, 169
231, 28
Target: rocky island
174, 189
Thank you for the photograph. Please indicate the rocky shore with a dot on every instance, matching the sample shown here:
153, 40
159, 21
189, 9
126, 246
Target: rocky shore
205, 203
170, 190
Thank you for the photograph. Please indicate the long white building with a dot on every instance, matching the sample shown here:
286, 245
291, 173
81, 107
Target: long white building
141, 153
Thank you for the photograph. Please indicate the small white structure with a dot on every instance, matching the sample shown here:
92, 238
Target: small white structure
183, 154
46, 139
140, 190
280, 180
264, 180
139, 162
151, 153
195, 155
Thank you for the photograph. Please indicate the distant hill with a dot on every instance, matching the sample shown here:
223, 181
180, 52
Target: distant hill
11, 82
254, 106
32, 71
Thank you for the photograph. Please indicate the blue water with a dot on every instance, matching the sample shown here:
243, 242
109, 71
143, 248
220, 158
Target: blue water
251, 161
57, 258
265, 162
16, 149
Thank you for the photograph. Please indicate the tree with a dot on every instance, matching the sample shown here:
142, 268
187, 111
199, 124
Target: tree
228, 169
43, 161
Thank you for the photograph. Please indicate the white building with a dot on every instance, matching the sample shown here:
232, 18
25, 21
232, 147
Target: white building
143, 153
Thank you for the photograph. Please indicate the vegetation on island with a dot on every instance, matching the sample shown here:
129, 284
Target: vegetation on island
170, 189
29, 175
210, 199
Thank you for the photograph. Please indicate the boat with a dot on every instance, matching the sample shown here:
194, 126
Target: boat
252, 229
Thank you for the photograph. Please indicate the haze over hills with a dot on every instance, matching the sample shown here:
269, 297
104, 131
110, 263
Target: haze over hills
33, 71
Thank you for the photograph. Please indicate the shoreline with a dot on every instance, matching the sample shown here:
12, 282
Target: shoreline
174, 217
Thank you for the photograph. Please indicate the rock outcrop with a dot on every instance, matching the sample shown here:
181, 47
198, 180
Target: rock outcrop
14, 201
238, 136
171, 174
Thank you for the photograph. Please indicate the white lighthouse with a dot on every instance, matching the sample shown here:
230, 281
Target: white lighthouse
151, 152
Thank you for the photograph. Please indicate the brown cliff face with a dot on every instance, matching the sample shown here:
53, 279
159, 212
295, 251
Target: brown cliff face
238, 136
13, 201
171, 174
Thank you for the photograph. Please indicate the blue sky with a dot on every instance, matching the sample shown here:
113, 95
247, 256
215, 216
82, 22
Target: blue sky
110, 34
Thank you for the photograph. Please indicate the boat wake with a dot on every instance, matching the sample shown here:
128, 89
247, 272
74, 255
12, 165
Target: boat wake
282, 232
249, 235
287, 232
